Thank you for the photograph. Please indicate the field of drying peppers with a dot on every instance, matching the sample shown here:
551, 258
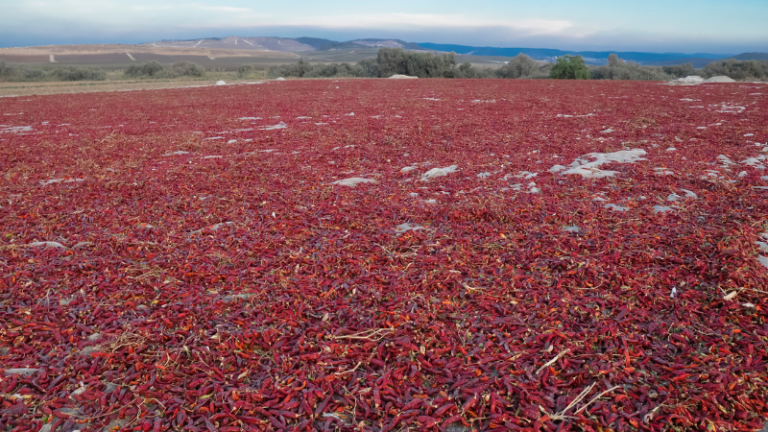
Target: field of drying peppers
377, 255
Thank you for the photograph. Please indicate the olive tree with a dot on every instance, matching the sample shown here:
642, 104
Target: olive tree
569, 67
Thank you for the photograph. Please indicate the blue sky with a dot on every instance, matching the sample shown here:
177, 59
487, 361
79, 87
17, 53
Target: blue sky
689, 26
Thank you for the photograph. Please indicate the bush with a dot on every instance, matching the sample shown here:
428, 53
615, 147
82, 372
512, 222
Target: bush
370, 67
569, 67
466, 70
618, 69
290, 70
56, 73
150, 69
6, 71
394, 61
340, 70
79, 73
427, 65
680, 71
153, 69
746, 70
244, 70
523, 66
183, 69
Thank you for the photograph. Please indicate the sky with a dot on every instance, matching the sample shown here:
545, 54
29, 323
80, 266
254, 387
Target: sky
685, 26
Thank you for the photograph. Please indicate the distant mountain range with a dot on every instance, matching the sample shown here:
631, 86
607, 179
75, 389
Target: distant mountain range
590, 57
309, 44
301, 44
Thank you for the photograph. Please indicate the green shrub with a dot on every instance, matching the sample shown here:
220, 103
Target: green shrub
392, 61
291, 70
6, 71
51, 73
680, 71
569, 67
618, 69
151, 69
244, 70
523, 66
466, 70
183, 68
340, 70
746, 70
427, 65
389, 61
370, 67
78, 73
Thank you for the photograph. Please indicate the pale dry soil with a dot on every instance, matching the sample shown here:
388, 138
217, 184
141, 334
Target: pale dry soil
136, 49
9, 89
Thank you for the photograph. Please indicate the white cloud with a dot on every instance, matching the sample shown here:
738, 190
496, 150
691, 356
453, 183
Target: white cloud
394, 22
400, 20
222, 8
151, 8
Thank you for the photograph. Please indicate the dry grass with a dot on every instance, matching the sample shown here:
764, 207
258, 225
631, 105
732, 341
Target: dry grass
126, 339
58, 87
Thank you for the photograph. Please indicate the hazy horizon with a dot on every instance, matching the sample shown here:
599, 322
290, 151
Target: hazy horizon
591, 25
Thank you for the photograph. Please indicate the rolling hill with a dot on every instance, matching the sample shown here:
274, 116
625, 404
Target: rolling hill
233, 51
590, 57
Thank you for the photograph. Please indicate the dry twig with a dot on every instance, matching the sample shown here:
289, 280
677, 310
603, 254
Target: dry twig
373, 335
561, 415
551, 362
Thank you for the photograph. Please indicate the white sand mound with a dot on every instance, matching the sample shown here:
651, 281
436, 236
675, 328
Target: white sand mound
720, 79
353, 181
588, 169
398, 76
220, 82
279, 79
439, 172
689, 80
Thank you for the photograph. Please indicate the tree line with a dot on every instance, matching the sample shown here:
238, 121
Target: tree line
391, 61
396, 61
51, 73
151, 69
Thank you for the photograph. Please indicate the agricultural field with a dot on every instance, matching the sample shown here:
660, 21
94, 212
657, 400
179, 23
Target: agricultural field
120, 57
116, 81
384, 255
